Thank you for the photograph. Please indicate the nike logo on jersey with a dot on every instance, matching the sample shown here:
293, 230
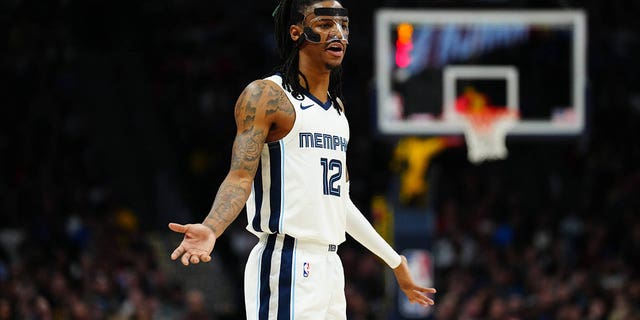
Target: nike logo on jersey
305, 107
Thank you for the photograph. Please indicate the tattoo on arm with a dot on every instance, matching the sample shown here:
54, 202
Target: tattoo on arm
247, 146
249, 140
277, 101
228, 204
246, 150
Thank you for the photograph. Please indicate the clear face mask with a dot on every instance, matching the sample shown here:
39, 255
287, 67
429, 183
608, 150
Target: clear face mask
329, 24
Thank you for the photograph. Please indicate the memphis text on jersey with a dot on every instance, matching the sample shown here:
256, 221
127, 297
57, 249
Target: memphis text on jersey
322, 141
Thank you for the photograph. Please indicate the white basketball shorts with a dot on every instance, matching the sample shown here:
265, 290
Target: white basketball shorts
287, 279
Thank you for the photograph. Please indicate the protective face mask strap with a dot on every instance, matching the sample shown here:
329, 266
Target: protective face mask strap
314, 37
311, 36
334, 12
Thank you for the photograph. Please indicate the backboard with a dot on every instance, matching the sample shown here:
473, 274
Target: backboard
532, 62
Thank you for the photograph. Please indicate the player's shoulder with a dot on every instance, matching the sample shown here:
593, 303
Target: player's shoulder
266, 95
263, 86
262, 93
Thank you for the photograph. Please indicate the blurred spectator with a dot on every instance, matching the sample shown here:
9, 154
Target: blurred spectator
195, 306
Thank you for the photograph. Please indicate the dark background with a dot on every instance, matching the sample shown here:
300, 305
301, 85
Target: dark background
116, 117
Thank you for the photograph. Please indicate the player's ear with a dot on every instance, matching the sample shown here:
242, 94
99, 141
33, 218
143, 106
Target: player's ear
295, 32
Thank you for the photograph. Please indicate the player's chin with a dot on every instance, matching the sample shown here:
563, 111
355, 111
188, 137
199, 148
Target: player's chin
332, 65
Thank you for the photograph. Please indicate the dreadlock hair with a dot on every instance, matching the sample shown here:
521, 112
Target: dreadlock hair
287, 13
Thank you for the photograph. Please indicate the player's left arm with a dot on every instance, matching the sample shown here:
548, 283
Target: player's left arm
362, 231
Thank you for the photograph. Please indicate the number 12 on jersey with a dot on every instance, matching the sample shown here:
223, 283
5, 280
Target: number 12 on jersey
331, 173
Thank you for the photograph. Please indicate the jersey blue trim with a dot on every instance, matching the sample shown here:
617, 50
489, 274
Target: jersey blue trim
257, 193
265, 272
258, 286
324, 105
293, 281
284, 285
275, 191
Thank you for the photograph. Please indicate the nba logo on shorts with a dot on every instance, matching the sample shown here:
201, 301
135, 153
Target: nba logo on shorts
306, 268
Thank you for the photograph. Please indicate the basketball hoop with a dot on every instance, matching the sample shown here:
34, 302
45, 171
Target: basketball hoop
485, 133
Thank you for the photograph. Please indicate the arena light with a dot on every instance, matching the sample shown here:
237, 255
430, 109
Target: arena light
404, 45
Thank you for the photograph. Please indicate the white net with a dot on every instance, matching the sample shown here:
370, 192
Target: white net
486, 133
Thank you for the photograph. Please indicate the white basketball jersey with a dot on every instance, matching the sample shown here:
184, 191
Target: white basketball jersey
300, 184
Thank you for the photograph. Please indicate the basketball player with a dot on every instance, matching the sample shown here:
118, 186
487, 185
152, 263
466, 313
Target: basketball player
288, 167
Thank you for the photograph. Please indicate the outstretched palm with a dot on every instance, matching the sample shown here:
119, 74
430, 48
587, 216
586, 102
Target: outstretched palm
197, 244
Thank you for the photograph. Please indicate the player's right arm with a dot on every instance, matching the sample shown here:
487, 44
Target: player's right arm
253, 123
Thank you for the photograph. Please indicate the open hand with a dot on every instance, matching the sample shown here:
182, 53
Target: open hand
414, 292
197, 244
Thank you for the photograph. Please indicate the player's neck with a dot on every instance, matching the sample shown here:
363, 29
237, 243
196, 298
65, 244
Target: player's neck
317, 80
